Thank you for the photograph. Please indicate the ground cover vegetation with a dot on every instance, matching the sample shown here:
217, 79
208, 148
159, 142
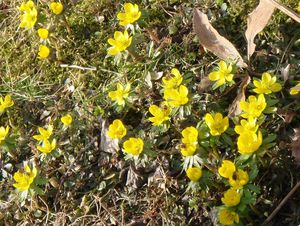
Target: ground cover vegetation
144, 113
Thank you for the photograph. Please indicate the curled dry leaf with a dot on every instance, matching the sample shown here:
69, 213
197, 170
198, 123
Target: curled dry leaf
213, 41
256, 22
295, 145
234, 108
260, 17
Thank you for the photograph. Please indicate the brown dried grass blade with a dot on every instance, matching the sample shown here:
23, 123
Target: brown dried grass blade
256, 22
213, 41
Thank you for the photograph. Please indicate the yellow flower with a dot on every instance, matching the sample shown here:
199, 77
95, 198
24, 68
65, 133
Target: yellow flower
249, 142
228, 217
29, 5
188, 149
246, 126
43, 33
56, 7
296, 89
133, 146
44, 134
227, 169
194, 173
44, 52
266, 85
160, 114
117, 130
298, 8
3, 133
216, 123
120, 94
24, 178
5, 103
46, 146
29, 16
222, 75
120, 42
130, 15
190, 135
231, 197
172, 82
239, 179
254, 106
66, 120
176, 97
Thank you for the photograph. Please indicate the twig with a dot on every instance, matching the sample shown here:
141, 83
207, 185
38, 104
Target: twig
78, 67
282, 203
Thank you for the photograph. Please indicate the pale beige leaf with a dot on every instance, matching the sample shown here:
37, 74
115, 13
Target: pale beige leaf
256, 22
291, 13
234, 108
213, 41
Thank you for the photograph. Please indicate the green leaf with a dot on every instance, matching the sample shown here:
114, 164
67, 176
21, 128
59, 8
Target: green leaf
227, 139
254, 188
271, 137
41, 181
253, 173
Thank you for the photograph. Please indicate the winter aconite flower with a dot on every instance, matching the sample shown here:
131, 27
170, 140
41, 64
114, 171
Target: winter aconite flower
116, 130
24, 178
121, 94
254, 106
5, 103
29, 14
46, 146
189, 141
56, 7
44, 134
66, 120
295, 90
266, 85
239, 179
249, 142
223, 75
176, 97
130, 15
120, 42
228, 217
248, 125
216, 123
160, 114
44, 52
172, 82
43, 33
133, 146
3, 133
227, 169
194, 173
231, 197
190, 135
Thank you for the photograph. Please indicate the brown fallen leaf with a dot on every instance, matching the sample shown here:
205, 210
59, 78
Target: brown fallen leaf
295, 145
213, 41
260, 17
256, 22
291, 13
106, 143
234, 108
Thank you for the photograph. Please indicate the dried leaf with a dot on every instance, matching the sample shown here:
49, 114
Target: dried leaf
213, 41
295, 145
256, 22
234, 108
291, 13
285, 72
288, 115
260, 17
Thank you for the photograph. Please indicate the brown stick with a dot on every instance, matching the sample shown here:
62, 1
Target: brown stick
282, 203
